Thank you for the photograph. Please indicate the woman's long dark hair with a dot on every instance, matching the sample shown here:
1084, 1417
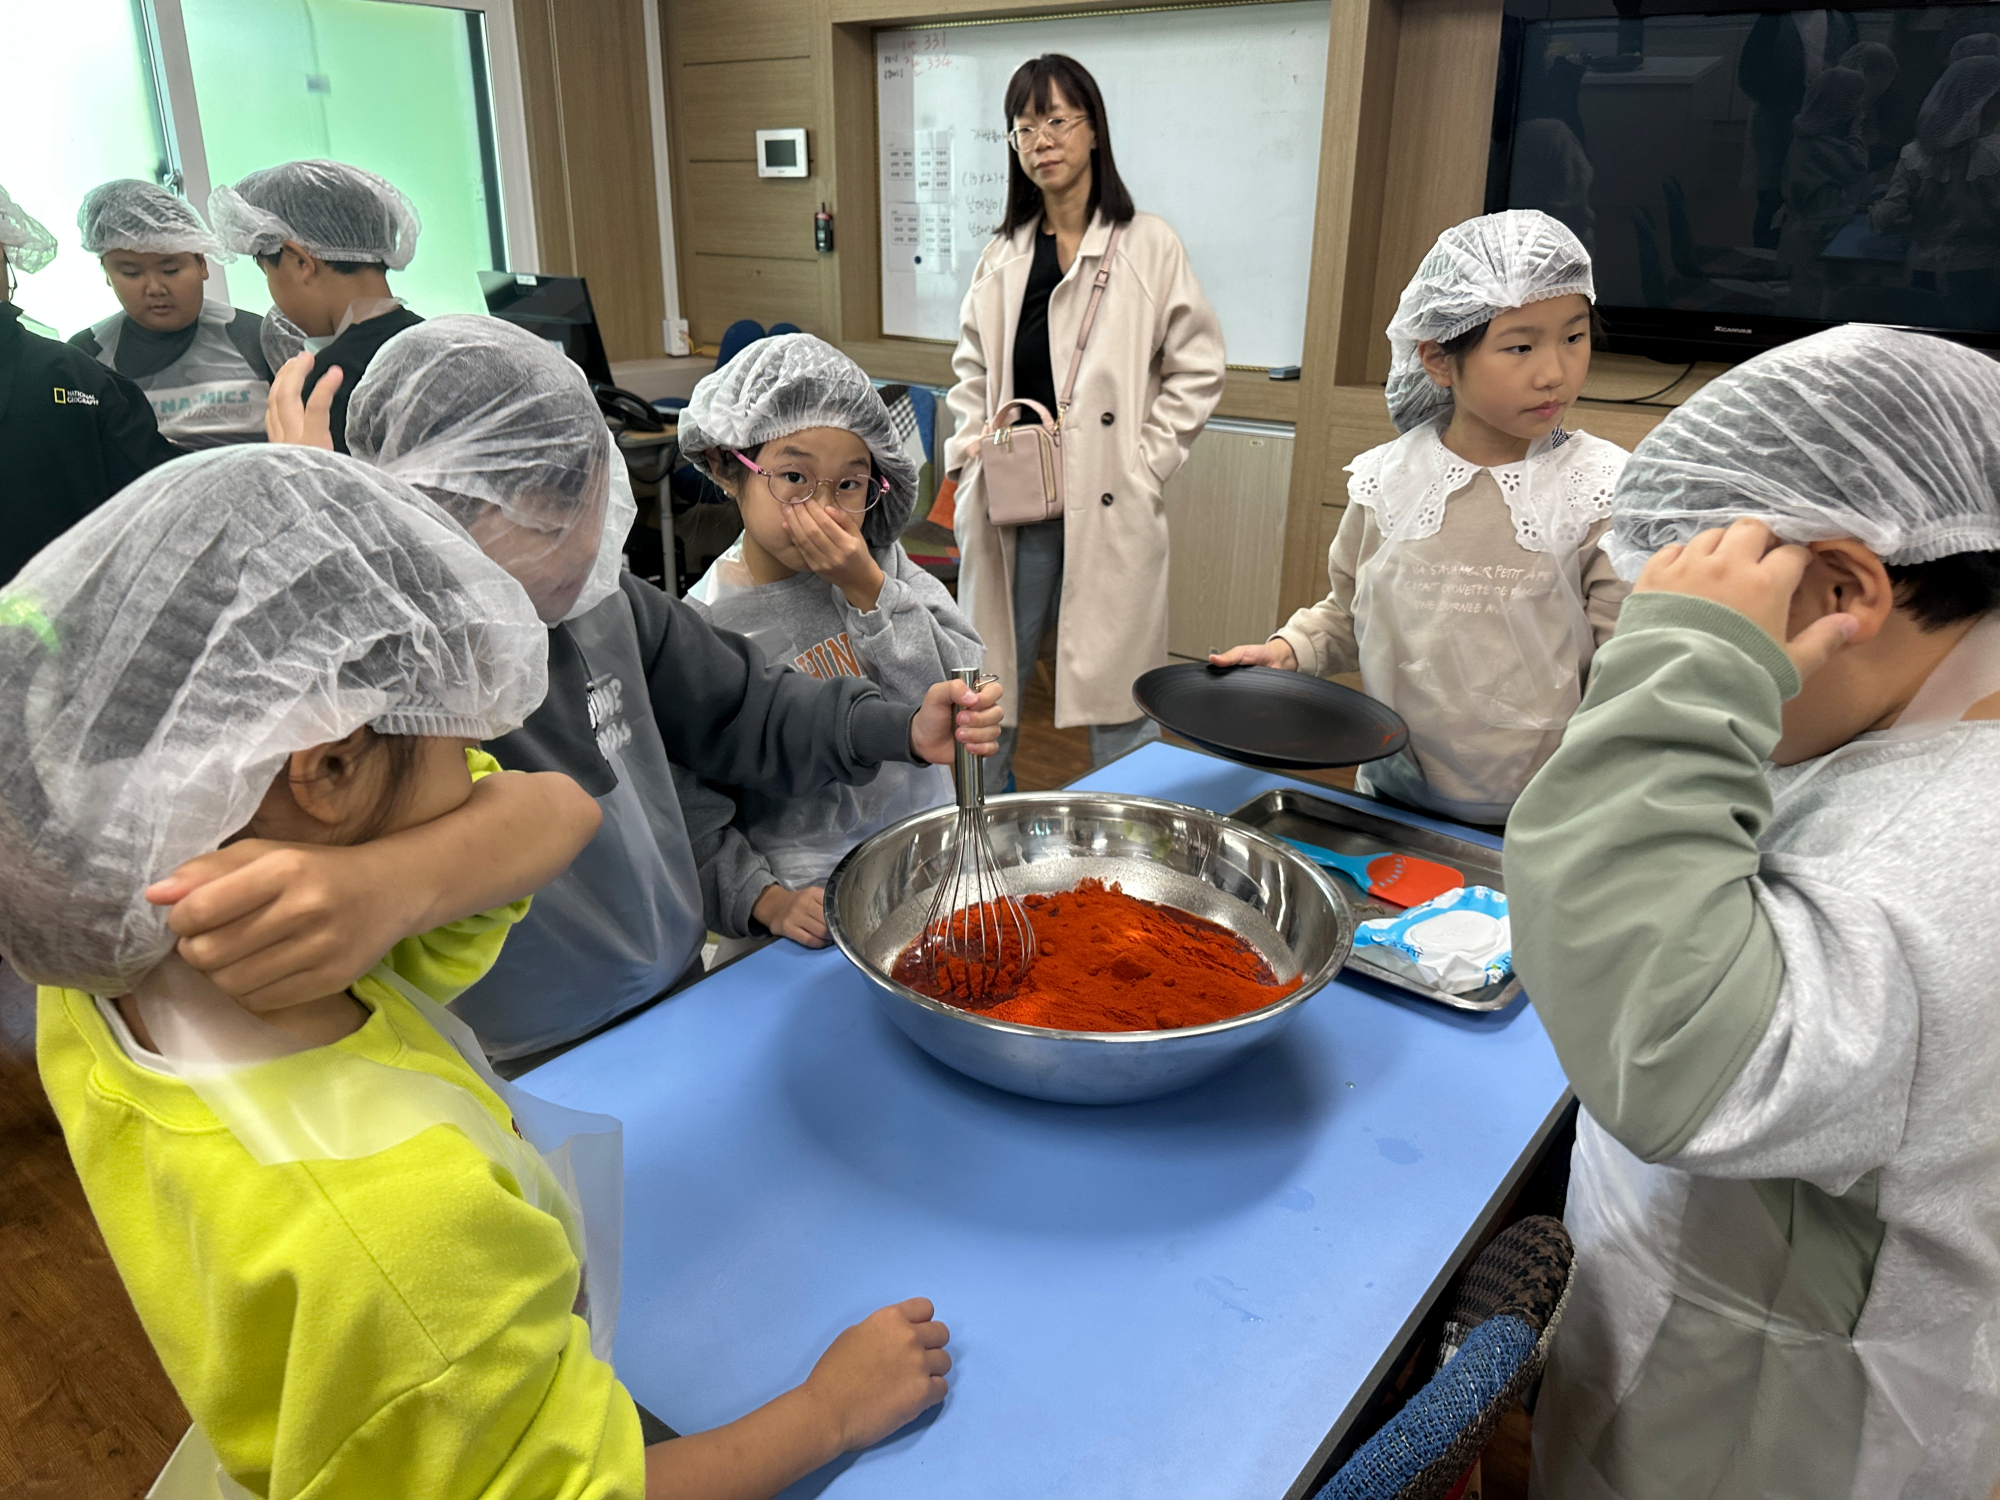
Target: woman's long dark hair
1030, 87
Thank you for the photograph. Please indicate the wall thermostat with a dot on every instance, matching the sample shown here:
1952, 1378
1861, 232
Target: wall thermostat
781, 153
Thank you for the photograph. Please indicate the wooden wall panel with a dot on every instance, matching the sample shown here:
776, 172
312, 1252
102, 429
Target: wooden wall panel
583, 70
734, 67
1448, 53
542, 104
1226, 515
723, 288
724, 105
1360, 85
847, 77
749, 29
735, 212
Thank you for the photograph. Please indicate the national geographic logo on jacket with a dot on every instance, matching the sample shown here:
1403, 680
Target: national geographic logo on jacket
74, 398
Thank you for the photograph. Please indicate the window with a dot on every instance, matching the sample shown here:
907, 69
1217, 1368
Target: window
209, 91
57, 55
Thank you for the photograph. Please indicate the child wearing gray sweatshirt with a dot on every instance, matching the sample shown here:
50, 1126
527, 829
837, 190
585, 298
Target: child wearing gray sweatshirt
795, 432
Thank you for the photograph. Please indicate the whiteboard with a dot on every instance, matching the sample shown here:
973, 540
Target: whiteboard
1215, 123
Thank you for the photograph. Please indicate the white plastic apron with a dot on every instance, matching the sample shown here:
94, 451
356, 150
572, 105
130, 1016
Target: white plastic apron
1483, 693
567, 1162
206, 397
1710, 1260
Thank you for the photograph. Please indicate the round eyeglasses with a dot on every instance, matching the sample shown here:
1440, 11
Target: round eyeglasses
853, 494
1058, 128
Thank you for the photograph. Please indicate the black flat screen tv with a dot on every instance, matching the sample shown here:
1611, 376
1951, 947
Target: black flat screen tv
1746, 177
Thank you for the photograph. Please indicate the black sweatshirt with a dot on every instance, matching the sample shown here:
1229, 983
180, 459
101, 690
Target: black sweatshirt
636, 683
72, 434
352, 352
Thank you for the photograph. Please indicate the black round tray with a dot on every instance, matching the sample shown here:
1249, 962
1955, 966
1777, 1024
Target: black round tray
1283, 721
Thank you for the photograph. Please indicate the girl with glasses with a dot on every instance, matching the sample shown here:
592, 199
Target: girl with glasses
797, 435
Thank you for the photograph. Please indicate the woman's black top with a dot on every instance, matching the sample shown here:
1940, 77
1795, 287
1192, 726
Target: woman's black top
1034, 373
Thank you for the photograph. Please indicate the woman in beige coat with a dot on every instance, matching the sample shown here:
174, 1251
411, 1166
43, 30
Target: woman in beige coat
1151, 374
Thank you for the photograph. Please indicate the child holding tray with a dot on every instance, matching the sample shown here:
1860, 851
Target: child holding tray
1467, 581
359, 1275
1755, 905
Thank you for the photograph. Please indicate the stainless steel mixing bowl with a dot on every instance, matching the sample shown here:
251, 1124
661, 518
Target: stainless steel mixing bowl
1268, 893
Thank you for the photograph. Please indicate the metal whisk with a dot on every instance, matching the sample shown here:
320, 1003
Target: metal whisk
977, 943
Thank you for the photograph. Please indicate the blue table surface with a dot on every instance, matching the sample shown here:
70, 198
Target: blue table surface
1181, 1297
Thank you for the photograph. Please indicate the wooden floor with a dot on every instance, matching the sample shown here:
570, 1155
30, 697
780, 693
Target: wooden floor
85, 1411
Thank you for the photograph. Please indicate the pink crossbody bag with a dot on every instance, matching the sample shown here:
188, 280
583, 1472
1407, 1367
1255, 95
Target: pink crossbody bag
1022, 464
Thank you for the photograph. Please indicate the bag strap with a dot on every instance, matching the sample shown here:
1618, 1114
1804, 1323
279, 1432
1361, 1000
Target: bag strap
1089, 317
995, 424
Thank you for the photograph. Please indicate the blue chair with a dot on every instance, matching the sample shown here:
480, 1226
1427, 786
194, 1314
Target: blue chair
737, 337
1496, 1342
690, 486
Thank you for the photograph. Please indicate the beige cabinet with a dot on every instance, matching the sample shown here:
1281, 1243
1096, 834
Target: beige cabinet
1226, 514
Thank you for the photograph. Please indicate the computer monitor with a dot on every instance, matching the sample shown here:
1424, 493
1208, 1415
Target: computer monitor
556, 308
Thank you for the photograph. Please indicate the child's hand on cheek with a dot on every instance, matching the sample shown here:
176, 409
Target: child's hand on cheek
1746, 568
833, 549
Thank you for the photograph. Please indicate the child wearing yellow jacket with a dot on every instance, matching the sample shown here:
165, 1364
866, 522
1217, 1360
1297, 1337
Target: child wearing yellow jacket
360, 1277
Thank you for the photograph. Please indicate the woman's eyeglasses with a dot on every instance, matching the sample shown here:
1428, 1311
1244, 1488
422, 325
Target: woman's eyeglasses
795, 487
1058, 128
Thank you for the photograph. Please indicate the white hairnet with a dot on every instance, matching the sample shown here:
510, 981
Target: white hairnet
1476, 271
127, 214
1953, 109
1833, 100
1865, 432
160, 660
1872, 60
29, 247
335, 211
789, 383
501, 429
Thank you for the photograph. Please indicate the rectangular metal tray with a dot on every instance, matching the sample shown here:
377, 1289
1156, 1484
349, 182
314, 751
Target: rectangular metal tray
1349, 830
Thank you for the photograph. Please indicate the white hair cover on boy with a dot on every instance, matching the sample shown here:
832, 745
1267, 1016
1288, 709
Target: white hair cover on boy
1952, 111
161, 659
1865, 432
795, 381
1475, 272
500, 428
335, 211
28, 245
127, 214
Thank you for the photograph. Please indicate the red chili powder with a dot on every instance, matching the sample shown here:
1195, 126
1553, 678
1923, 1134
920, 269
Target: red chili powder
1106, 961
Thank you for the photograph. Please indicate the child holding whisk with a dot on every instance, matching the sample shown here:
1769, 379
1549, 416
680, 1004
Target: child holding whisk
795, 432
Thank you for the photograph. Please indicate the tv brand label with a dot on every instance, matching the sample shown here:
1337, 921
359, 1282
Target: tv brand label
1725, 328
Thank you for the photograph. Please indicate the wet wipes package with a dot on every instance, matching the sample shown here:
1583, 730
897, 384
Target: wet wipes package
1459, 942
